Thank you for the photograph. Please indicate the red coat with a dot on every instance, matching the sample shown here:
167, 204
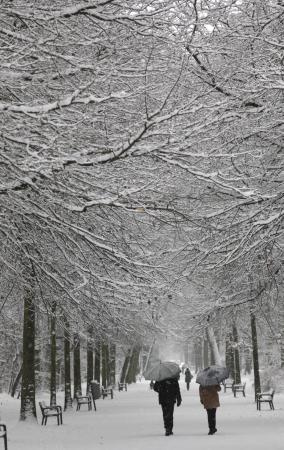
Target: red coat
209, 396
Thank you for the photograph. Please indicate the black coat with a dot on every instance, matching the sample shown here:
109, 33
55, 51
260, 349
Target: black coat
168, 391
188, 376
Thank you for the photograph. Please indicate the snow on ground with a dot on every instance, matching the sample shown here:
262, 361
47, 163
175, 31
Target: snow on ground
133, 420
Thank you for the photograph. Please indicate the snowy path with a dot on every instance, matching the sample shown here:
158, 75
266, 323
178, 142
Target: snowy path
133, 420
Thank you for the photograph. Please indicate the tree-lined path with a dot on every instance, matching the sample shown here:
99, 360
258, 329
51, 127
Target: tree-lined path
133, 420
141, 209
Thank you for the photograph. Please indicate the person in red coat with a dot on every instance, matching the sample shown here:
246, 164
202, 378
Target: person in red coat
210, 400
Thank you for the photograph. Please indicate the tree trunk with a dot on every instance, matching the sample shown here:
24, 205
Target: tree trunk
213, 345
77, 366
257, 387
205, 353
198, 355
237, 371
53, 355
212, 357
281, 324
90, 360
112, 354
28, 407
16, 382
105, 365
67, 369
230, 356
248, 360
98, 362
147, 359
133, 365
186, 353
125, 367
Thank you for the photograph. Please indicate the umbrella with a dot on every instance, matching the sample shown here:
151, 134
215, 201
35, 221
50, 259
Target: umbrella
212, 375
162, 371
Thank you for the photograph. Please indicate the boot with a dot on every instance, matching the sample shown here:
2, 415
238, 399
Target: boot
168, 432
213, 431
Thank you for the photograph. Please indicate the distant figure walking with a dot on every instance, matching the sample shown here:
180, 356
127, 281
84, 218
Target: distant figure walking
169, 394
210, 400
187, 377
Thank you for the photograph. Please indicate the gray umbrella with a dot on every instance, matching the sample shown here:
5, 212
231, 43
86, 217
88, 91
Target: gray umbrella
162, 371
212, 375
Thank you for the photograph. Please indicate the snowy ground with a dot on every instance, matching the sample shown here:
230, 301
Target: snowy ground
133, 420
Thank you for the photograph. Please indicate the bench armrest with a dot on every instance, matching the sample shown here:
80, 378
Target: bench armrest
2, 425
52, 408
47, 408
264, 394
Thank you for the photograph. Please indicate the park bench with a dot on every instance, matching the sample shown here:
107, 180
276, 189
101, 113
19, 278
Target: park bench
3, 434
84, 400
106, 392
239, 388
122, 386
50, 411
228, 384
265, 397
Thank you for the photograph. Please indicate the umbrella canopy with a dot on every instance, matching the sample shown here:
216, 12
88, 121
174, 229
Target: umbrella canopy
162, 371
212, 375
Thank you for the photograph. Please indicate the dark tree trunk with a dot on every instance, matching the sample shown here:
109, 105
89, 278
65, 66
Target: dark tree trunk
98, 361
237, 370
105, 362
125, 367
133, 366
112, 354
257, 387
28, 407
67, 369
53, 355
281, 324
90, 359
77, 366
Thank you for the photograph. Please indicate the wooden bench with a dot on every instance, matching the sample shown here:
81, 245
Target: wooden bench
3, 434
84, 400
106, 392
228, 384
122, 386
50, 411
239, 388
265, 397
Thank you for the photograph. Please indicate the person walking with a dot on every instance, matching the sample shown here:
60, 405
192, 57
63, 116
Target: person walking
209, 398
169, 394
187, 377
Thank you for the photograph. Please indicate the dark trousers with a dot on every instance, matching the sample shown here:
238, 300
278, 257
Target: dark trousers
168, 415
211, 413
187, 385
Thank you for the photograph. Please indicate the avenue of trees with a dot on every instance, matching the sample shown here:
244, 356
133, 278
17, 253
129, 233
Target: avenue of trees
141, 177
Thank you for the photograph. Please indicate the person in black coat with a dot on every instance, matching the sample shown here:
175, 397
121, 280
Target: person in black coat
187, 377
169, 394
